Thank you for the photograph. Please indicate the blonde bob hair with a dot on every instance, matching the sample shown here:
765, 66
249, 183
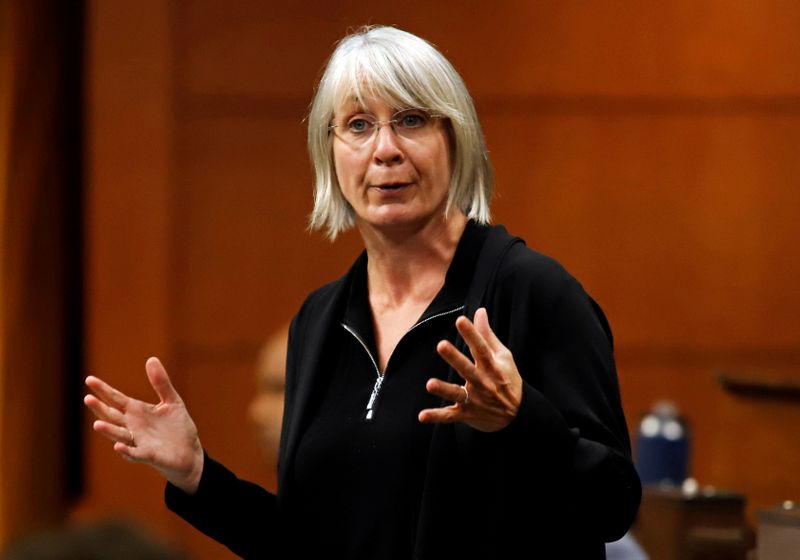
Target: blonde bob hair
404, 71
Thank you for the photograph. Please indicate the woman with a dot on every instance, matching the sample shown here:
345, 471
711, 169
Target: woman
409, 429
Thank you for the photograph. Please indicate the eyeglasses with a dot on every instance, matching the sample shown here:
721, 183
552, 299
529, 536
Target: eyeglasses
359, 130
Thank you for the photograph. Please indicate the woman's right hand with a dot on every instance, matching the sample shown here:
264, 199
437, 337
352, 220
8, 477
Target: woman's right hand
162, 435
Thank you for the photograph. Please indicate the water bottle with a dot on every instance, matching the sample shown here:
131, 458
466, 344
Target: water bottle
662, 446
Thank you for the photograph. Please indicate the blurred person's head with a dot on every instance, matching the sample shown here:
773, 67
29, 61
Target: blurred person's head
102, 540
266, 408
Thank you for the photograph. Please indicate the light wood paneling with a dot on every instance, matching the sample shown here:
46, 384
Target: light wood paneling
245, 191
706, 49
683, 227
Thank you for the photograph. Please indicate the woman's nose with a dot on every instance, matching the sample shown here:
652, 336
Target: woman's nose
386, 148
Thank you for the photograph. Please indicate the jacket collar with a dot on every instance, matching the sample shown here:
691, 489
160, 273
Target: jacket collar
357, 313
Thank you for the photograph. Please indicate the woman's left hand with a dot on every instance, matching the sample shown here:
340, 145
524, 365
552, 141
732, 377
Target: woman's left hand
491, 395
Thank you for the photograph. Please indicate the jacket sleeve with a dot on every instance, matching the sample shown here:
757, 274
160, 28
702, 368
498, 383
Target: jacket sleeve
239, 514
570, 430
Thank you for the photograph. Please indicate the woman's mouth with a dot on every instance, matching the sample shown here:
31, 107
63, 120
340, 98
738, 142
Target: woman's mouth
391, 187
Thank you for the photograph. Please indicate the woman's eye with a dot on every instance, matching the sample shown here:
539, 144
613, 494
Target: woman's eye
358, 125
413, 120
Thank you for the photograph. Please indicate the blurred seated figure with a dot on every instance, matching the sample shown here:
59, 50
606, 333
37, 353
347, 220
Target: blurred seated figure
102, 540
266, 408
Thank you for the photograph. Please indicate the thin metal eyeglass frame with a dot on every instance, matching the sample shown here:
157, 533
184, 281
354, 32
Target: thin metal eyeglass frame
377, 124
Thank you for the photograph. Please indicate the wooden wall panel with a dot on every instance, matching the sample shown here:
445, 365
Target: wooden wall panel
513, 47
683, 226
128, 235
245, 191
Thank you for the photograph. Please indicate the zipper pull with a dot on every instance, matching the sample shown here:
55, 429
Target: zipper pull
373, 398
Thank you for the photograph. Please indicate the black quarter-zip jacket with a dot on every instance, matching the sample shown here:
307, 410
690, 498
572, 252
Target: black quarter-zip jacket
356, 483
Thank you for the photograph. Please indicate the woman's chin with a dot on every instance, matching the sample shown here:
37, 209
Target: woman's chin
405, 215
392, 217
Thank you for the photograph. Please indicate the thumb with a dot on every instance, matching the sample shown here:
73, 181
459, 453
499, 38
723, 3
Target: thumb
160, 382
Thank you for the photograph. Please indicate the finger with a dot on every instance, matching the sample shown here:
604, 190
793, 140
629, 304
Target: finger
114, 432
107, 393
448, 391
477, 345
124, 450
160, 382
482, 324
443, 415
135, 454
458, 361
102, 410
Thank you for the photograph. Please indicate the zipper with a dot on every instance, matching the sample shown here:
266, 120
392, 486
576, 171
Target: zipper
379, 375
376, 389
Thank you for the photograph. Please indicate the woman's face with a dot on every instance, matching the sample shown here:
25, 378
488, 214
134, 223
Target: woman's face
393, 181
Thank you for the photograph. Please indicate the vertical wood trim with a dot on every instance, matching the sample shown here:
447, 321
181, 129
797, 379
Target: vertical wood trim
6, 86
37, 172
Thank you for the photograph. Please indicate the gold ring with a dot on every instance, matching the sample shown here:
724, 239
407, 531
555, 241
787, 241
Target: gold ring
466, 394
